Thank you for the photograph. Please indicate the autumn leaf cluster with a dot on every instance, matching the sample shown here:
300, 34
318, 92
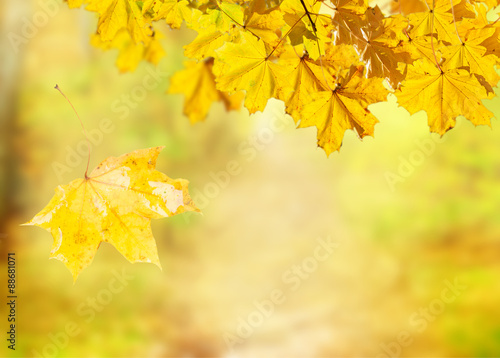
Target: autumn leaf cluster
326, 60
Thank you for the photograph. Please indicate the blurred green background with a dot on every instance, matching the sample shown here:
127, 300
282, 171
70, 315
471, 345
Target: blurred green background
379, 293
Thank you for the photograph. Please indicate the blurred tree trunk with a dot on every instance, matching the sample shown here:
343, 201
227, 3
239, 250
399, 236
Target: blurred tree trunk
11, 14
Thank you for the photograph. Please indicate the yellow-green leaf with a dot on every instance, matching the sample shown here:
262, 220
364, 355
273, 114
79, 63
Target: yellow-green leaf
114, 204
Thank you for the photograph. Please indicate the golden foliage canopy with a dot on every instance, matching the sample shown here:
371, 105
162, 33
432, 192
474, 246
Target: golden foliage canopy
437, 56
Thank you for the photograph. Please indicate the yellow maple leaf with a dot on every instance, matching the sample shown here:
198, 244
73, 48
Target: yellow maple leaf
265, 26
114, 204
247, 66
340, 57
299, 23
174, 12
378, 48
472, 54
214, 28
407, 6
347, 18
334, 112
307, 77
480, 23
317, 45
439, 19
224, 17
307, 80
420, 47
197, 83
131, 53
259, 6
205, 44
444, 95
118, 14
490, 3
228, 14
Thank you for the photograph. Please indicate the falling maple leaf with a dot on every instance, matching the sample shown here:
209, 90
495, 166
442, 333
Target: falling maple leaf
114, 204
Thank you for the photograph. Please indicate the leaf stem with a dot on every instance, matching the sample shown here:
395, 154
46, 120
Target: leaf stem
407, 19
283, 37
317, 42
84, 130
233, 20
432, 37
428, 8
455, 22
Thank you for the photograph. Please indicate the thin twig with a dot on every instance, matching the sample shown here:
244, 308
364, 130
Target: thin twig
317, 43
84, 130
309, 16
